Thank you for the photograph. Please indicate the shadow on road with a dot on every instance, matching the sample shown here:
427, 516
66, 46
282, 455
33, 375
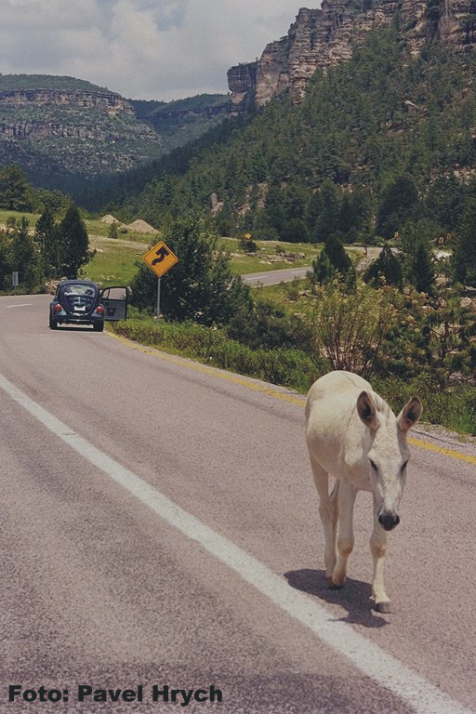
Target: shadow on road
354, 597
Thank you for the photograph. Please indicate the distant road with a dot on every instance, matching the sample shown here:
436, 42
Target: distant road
274, 277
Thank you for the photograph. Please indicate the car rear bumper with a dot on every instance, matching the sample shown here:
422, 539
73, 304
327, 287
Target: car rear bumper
77, 320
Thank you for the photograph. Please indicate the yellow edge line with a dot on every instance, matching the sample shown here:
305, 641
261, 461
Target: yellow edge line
296, 400
442, 450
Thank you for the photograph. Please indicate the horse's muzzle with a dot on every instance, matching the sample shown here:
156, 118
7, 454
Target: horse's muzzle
388, 521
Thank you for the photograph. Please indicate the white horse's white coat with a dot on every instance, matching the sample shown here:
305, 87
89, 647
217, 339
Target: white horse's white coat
353, 434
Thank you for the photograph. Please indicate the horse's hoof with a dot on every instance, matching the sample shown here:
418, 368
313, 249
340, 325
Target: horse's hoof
333, 586
383, 607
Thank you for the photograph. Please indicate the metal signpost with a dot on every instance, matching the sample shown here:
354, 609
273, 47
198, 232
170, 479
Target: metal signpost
160, 259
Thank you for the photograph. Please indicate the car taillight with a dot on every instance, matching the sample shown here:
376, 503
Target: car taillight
100, 310
58, 307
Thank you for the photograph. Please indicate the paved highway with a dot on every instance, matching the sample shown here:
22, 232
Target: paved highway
274, 277
160, 540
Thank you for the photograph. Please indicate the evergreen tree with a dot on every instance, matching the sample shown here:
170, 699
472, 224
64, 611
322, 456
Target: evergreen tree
348, 220
295, 231
445, 202
322, 270
464, 259
388, 267
295, 200
275, 214
47, 239
25, 258
200, 287
398, 205
328, 219
5, 261
311, 215
15, 193
423, 269
338, 258
74, 243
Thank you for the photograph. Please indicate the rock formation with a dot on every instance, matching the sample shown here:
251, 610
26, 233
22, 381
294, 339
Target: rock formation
54, 132
109, 102
325, 37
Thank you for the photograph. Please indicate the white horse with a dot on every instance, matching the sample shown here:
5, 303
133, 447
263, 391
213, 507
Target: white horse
353, 434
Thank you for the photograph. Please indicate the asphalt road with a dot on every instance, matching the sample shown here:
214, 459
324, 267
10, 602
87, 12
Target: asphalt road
274, 277
159, 528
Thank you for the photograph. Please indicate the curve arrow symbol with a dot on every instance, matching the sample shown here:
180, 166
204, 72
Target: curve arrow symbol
161, 254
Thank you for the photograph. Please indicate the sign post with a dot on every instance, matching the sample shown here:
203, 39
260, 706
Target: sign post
160, 259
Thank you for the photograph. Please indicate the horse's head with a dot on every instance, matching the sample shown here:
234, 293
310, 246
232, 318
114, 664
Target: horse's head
388, 453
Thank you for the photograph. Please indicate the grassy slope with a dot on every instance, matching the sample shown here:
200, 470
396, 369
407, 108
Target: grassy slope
115, 260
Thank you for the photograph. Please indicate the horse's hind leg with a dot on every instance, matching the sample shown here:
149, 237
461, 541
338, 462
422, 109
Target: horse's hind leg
345, 537
328, 514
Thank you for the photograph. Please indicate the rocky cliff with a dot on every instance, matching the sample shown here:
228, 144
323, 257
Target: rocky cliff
108, 102
324, 37
58, 130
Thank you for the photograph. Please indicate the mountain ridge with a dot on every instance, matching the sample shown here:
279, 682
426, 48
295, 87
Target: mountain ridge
62, 131
325, 37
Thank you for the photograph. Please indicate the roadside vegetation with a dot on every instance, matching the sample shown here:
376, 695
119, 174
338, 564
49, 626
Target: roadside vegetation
378, 322
294, 334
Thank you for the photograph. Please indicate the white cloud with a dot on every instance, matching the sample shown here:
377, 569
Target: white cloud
143, 49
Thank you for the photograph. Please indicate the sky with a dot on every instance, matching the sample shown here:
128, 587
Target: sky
142, 49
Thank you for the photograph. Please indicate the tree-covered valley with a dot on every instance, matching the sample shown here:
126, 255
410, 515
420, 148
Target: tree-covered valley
382, 145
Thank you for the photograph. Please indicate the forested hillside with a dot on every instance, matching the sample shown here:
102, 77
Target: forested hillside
70, 135
381, 144
183, 120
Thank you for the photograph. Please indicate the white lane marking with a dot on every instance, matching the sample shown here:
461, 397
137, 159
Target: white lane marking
368, 657
26, 304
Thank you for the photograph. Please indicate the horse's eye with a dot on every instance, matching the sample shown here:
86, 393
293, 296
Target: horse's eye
373, 465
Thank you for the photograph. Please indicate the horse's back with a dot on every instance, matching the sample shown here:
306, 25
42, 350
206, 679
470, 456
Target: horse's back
333, 424
334, 396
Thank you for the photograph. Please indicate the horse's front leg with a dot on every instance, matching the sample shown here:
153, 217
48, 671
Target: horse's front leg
345, 536
378, 546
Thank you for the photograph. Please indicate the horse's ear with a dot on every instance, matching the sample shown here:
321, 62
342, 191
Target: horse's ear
410, 414
367, 410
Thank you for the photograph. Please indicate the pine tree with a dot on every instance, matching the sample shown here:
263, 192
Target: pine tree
25, 258
295, 231
322, 270
423, 269
398, 204
464, 259
339, 259
328, 219
15, 193
46, 237
388, 267
74, 249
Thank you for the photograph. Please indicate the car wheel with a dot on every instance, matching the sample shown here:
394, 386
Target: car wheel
98, 326
53, 324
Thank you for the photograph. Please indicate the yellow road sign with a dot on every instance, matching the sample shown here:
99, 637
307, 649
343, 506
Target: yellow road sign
160, 259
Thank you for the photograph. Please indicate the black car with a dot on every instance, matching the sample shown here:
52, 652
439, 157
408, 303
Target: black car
77, 302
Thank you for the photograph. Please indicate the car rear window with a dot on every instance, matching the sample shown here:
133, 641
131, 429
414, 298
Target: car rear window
78, 289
